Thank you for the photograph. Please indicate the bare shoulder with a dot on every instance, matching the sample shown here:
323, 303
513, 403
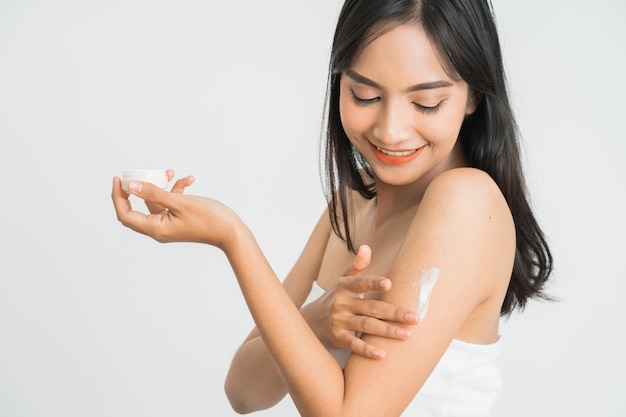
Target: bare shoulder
467, 186
471, 196
466, 176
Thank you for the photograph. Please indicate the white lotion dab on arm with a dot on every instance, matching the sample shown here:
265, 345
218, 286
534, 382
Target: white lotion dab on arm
426, 285
157, 177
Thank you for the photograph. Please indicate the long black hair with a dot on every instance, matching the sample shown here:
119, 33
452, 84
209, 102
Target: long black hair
465, 35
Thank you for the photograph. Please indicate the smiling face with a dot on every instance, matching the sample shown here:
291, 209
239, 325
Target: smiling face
401, 110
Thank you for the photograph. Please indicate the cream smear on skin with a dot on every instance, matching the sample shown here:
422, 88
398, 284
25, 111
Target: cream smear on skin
426, 285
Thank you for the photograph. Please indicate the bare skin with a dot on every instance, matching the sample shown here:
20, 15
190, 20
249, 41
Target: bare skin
336, 317
301, 379
253, 381
347, 308
430, 211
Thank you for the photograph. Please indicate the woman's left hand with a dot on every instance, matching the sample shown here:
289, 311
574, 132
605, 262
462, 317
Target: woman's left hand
174, 216
342, 311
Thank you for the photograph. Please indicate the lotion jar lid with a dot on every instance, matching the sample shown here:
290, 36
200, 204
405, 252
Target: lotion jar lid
157, 177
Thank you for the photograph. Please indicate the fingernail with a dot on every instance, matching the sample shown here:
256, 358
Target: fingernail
384, 284
379, 354
412, 317
135, 186
404, 333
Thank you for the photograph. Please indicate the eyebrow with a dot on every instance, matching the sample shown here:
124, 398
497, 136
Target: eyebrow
422, 86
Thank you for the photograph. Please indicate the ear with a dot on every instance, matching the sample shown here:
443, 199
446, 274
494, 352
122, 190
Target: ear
473, 99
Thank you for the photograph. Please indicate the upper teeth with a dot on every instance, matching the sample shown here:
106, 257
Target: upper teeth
390, 153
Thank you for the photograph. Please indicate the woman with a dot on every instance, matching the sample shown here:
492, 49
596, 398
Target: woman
425, 186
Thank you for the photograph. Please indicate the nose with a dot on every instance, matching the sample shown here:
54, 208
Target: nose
394, 123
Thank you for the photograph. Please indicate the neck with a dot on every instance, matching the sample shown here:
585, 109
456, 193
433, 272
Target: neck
393, 201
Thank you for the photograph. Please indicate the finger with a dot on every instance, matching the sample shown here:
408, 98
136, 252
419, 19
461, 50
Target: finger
154, 208
182, 183
362, 259
382, 310
178, 188
119, 196
152, 194
362, 348
375, 327
360, 262
123, 208
116, 189
365, 283
151, 225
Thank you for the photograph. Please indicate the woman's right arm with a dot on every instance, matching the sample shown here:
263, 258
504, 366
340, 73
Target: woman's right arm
253, 382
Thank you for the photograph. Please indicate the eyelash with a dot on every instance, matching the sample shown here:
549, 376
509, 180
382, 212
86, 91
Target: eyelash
362, 102
430, 110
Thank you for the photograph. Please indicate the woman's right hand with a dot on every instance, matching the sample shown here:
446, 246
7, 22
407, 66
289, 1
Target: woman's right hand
174, 216
342, 311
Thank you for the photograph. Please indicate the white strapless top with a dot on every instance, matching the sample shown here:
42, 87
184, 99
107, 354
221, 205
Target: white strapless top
465, 382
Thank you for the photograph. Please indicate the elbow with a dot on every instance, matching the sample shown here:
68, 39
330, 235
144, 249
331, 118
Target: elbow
237, 401
237, 404
240, 408
248, 393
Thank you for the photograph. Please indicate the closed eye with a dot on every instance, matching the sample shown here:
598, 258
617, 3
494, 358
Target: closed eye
429, 109
359, 101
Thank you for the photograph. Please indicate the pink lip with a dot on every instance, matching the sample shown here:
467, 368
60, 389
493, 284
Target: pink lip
395, 160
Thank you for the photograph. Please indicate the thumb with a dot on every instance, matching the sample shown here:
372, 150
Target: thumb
360, 262
151, 194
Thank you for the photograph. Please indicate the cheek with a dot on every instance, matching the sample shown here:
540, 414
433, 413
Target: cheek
446, 128
353, 119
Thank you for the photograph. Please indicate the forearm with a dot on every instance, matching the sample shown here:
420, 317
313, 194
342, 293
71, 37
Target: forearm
310, 372
253, 382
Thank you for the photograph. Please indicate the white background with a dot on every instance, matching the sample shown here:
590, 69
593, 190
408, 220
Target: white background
98, 321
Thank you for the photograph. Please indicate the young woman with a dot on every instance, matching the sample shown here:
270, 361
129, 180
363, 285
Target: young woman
427, 241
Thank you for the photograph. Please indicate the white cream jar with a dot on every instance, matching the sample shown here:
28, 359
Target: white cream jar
157, 177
